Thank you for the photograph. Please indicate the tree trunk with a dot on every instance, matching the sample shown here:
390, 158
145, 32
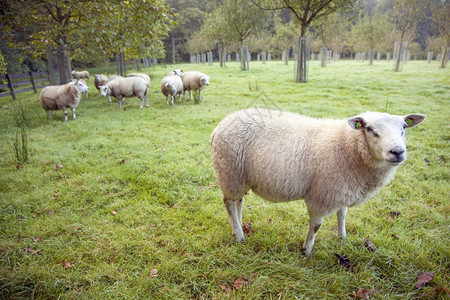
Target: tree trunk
444, 56
243, 58
173, 49
64, 74
50, 66
301, 75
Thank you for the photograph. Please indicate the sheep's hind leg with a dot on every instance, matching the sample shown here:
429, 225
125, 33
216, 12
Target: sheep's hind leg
341, 214
73, 112
146, 102
314, 225
234, 210
65, 115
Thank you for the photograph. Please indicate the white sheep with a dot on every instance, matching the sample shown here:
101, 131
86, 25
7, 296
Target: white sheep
60, 97
99, 80
126, 87
143, 76
177, 72
81, 74
194, 80
111, 78
85, 83
171, 85
331, 164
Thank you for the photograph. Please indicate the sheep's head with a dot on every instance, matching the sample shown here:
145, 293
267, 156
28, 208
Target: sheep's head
385, 134
178, 72
105, 90
205, 80
81, 86
170, 86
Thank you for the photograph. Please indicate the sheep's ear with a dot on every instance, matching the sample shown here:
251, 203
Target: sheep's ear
357, 123
413, 119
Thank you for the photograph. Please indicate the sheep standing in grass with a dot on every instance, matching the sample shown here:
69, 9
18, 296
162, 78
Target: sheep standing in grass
126, 87
100, 80
81, 74
111, 78
60, 97
331, 164
171, 85
143, 76
193, 80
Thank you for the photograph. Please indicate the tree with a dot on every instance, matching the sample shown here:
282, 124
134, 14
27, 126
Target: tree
406, 15
79, 27
242, 18
441, 17
305, 11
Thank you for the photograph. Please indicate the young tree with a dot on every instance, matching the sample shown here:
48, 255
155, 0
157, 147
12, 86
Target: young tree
441, 17
305, 11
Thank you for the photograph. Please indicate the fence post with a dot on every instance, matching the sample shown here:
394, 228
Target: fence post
11, 87
32, 81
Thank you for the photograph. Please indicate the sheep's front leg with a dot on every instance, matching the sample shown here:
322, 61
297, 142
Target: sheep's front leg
142, 103
171, 99
234, 210
314, 225
65, 114
49, 114
341, 214
167, 100
146, 102
110, 99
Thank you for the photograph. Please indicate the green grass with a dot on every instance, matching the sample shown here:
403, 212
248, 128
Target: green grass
152, 168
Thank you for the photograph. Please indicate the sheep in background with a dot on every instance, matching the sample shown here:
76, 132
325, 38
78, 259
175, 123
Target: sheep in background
171, 85
177, 72
126, 87
143, 76
84, 82
194, 80
99, 80
60, 97
331, 164
81, 74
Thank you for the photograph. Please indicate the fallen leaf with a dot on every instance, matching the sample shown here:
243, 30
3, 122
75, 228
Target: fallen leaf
68, 265
32, 251
121, 161
423, 278
153, 273
394, 213
440, 290
248, 228
57, 167
426, 160
48, 211
369, 244
362, 294
269, 221
395, 237
36, 239
344, 261
441, 160
55, 194
114, 212
237, 284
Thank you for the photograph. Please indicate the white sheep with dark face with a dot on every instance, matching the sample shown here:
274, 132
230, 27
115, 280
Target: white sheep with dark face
331, 164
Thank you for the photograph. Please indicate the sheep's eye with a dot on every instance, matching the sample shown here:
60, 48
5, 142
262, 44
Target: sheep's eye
369, 129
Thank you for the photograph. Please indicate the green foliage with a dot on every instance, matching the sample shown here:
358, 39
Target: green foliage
3, 64
59, 237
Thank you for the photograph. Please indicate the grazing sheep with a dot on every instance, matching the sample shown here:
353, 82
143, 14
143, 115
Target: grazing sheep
100, 80
331, 164
143, 76
81, 74
126, 87
60, 97
111, 78
83, 81
176, 72
193, 80
172, 85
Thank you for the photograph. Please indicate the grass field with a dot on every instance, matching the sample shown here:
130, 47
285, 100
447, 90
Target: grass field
123, 203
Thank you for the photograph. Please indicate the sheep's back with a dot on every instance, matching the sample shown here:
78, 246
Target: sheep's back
191, 80
59, 97
130, 86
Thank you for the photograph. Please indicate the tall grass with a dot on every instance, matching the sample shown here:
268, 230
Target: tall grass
123, 203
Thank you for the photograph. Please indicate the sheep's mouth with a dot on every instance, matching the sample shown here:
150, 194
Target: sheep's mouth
395, 162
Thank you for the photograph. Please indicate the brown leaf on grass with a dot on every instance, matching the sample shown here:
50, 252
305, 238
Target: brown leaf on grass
36, 239
48, 211
440, 290
423, 278
153, 273
394, 213
441, 160
236, 285
362, 294
395, 237
344, 261
32, 251
67, 265
57, 167
114, 213
248, 228
426, 160
121, 161
369, 244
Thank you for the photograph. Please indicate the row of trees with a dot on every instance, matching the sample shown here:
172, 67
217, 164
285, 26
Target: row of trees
70, 29
343, 26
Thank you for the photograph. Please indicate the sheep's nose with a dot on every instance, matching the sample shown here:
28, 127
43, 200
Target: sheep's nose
398, 152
